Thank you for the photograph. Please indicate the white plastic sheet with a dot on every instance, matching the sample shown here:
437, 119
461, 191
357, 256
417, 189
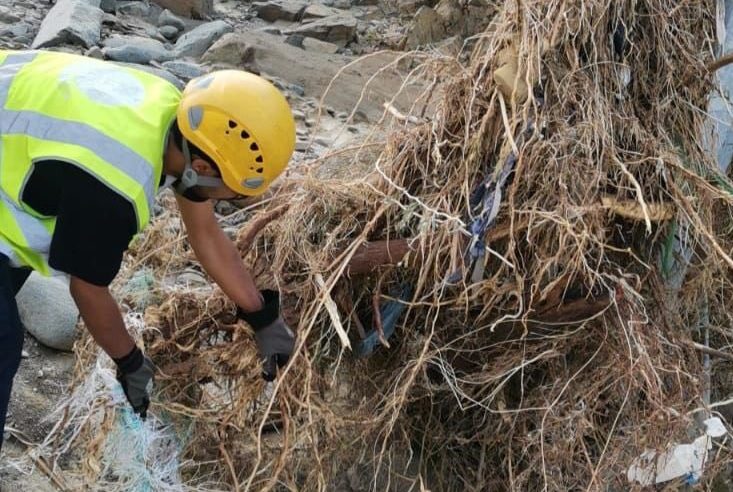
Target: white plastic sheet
682, 460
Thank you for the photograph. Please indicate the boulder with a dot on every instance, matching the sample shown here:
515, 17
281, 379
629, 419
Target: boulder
450, 12
168, 32
70, 22
316, 70
231, 49
163, 74
302, 145
297, 89
7, 15
280, 10
312, 44
197, 9
409, 7
338, 29
184, 70
137, 9
427, 28
463, 20
271, 30
109, 6
95, 52
196, 42
295, 40
318, 11
17, 30
48, 311
168, 18
135, 49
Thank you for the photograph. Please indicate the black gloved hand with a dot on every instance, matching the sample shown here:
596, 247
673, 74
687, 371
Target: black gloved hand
275, 340
136, 372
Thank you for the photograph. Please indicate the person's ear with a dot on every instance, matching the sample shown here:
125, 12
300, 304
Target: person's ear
202, 167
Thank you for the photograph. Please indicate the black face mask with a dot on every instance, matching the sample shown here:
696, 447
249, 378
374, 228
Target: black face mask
192, 194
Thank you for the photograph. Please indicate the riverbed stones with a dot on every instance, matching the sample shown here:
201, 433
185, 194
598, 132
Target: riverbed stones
48, 311
338, 29
74, 22
195, 42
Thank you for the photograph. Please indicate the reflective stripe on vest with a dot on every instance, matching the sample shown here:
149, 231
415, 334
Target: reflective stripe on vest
109, 120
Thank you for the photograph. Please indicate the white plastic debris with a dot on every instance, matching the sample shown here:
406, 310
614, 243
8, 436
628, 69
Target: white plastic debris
137, 455
683, 460
714, 427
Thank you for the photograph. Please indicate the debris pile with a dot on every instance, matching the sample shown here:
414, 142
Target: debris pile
512, 297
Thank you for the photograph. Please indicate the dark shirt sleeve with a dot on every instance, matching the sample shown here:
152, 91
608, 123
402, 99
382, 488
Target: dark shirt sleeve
94, 224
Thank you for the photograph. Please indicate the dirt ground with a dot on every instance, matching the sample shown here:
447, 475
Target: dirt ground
41, 383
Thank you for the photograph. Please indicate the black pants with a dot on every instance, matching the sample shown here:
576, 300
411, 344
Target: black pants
11, 332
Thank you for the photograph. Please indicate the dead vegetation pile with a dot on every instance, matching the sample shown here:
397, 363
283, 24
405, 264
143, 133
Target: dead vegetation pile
544, 242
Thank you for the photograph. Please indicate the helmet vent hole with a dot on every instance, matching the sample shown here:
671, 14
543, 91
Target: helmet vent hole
259, 159
245, 135
232, 124
254, 146
260, 170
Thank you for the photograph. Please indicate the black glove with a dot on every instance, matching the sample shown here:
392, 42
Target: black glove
275, 340
135, 372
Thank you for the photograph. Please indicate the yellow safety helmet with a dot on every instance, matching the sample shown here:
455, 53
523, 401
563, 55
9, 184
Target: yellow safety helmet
243, 123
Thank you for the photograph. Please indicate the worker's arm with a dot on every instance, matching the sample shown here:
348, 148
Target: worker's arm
220, 258
218, 255
102, 317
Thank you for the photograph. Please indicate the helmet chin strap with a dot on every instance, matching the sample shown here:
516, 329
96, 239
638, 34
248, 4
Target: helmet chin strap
190, 177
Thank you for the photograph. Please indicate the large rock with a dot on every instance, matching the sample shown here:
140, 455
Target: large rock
311, 72
109, 6
280, 10
70, 22
427, 28
464, 20
168, 18
409, 7
17, 30
318, 11
232, 49
136, 49
196, 42
168, 32
197, 9
163, 74
338, 29
7, 15
318, 46
137, 9
184, 70
48, 311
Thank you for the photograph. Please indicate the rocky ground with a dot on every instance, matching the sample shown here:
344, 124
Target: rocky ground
298, 45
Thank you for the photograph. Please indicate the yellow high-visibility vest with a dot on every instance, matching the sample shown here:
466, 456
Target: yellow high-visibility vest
112, 121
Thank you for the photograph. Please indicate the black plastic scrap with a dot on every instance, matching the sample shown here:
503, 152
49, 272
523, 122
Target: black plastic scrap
390, 312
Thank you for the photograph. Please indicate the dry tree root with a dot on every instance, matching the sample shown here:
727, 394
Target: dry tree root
544, 346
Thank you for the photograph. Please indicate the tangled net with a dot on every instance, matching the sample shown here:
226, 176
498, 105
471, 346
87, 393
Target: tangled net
547, 263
